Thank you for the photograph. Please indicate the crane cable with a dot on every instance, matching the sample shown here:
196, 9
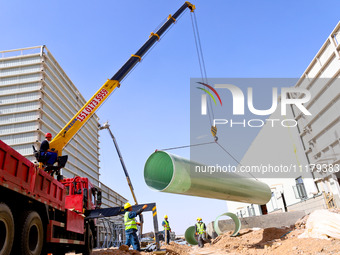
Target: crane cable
186, 146
201, 61
204, 78
226, 151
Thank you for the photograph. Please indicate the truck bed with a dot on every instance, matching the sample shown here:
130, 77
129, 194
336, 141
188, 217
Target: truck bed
20, 175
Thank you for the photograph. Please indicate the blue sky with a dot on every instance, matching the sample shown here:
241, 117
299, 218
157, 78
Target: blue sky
92, 39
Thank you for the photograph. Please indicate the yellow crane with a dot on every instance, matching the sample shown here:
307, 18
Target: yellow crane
91, 106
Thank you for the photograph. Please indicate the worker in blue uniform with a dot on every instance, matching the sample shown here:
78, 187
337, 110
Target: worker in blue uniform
167, 229
50, 157
131, 226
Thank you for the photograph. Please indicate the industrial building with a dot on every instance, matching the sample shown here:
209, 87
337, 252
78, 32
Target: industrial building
313, 143
38, 97
40, 214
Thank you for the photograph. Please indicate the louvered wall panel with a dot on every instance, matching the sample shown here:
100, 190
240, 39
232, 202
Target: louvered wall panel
21, 79
18, 117
26, 75
19, 107
20, 70
19, 88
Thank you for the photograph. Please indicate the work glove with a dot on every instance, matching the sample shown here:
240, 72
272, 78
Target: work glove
144, 207
196, 233
138, 223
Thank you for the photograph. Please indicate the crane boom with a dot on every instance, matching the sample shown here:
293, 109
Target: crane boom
107, 126
90, 107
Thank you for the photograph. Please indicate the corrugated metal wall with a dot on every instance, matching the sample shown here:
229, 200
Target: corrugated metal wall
60, 101
320, 132
20, 83
37, 97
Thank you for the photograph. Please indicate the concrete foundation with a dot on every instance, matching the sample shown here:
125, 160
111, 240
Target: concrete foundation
309, 205
275, 220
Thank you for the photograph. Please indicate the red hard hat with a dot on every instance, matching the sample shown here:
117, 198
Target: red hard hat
48, 135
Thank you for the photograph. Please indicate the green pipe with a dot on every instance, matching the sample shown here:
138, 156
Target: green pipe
234, 218
190, 235
173, 174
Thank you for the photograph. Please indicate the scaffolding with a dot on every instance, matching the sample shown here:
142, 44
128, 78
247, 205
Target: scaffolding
110, 233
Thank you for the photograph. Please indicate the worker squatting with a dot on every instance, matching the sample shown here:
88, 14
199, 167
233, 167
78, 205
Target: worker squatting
256, 123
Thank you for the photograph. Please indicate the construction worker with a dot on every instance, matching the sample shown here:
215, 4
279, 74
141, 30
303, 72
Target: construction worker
167, 229
131, 226
200, 231
49, 156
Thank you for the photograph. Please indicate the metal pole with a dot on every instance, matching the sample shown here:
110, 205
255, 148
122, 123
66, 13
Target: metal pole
155, 226
107, 126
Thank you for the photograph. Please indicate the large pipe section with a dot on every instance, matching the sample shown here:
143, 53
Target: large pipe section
234, 218
189, 235
169, 173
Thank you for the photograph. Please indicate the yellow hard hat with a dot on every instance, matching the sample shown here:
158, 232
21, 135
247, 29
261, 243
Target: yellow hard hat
165, 216
127, 205
198, 219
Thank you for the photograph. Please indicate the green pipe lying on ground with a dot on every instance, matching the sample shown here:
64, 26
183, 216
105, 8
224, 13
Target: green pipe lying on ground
190, 235
234, 218
169, 173
190, 232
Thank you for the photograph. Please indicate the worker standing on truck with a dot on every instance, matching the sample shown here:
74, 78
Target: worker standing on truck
49, 155
131, 226
200, 231
167, 229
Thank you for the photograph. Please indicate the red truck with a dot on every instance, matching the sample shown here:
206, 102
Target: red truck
40, 214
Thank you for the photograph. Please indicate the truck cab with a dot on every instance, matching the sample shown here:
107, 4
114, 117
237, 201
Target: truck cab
81, 194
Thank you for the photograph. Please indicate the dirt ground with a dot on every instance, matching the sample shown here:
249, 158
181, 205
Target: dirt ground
260, 242
269, 241
264, 241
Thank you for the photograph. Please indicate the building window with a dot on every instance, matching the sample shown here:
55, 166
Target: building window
273, 201
251, 210
299, 189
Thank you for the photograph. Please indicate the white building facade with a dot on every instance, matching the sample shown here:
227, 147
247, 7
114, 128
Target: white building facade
315, 142
37, 97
